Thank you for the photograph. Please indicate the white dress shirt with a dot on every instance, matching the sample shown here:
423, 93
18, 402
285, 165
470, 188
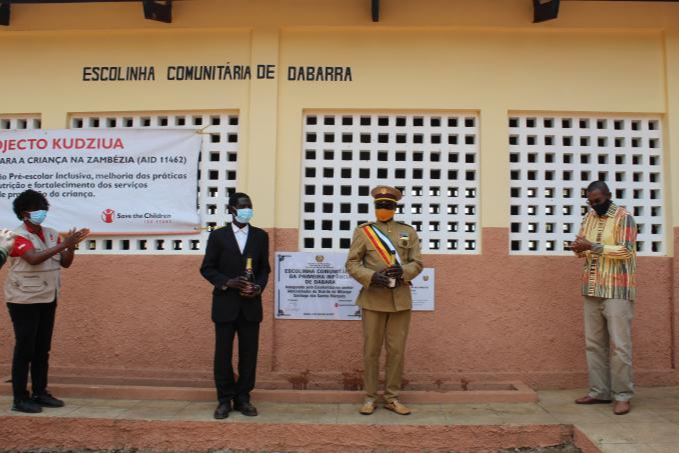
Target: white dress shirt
241, 235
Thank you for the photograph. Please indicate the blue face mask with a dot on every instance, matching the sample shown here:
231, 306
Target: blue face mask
243, 215
37, 217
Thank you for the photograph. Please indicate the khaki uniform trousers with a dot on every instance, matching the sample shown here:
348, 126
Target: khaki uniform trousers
608, 320
392, 328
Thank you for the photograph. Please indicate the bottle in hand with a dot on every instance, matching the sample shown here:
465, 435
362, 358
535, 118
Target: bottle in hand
248, 273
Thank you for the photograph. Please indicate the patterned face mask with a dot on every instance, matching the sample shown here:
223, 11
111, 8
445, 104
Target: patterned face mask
602, 208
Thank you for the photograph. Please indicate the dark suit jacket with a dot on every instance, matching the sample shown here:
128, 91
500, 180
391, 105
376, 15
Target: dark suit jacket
223, 260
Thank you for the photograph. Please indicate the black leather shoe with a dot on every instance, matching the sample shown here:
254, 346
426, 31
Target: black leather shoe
26, 406
47, 400
246, 409
222, 411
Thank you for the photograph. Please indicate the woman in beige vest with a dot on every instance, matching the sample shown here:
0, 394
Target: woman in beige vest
31, 292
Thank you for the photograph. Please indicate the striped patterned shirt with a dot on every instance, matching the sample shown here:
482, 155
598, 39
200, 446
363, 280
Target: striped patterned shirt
609, 269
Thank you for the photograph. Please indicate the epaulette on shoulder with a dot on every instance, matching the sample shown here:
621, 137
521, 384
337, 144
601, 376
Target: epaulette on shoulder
365, 224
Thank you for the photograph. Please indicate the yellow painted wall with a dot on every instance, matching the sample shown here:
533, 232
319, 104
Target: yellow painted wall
45, 71
486, 56
671, 73
490, 71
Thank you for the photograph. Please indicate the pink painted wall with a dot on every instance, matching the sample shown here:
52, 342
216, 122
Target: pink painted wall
497, 317
676, 292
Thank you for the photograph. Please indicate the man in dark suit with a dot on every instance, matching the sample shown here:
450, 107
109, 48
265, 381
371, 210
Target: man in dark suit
237, 303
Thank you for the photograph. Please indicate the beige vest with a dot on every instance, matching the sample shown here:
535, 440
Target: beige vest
29, 284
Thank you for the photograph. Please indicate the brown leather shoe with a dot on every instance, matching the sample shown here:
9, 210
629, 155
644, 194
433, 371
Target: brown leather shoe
368, 407
590, 400
621, 407
398, 408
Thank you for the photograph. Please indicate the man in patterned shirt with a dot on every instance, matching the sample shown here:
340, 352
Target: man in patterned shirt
607, 242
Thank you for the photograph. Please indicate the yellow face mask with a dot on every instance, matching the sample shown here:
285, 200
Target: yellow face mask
383, 215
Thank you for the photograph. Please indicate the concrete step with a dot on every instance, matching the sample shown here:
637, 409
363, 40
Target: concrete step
202, 390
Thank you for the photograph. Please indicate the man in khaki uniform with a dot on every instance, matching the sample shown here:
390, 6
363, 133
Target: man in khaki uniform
384, 257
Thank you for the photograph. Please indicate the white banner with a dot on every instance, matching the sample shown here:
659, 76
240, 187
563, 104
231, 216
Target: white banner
317, 286
422, 290
110, 181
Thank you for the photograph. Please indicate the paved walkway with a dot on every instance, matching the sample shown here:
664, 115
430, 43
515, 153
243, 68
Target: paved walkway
651, 426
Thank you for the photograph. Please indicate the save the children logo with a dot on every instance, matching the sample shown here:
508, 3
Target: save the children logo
107, 215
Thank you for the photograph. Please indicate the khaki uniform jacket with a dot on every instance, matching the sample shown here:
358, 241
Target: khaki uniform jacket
363, 261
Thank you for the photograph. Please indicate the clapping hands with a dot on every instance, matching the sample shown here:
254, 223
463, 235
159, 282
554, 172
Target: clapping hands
73, 237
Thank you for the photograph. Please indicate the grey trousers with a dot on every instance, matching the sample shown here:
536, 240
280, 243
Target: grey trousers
608, 320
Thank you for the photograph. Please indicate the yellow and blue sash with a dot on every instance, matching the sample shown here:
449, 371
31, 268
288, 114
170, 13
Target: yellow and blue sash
381, 243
